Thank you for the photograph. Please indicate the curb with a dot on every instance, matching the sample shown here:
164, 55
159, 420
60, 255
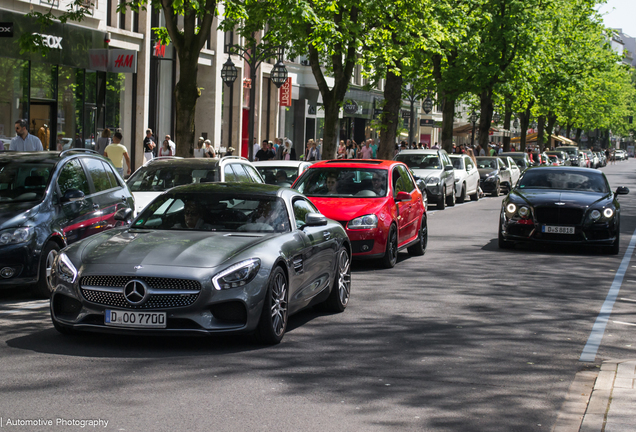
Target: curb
611, 406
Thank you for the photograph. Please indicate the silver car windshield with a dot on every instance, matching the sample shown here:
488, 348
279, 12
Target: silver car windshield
420, 161
563, 180
343, 182
215, 212
164, 177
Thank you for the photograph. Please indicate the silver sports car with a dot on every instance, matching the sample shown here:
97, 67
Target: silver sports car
205, 258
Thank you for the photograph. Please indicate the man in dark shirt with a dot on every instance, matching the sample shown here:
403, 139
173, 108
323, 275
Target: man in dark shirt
149, 145
264, 154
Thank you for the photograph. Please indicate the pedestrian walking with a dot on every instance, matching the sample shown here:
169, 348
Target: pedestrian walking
117, 152
103, 142
149, 145
342, 151
24, 141
173, 146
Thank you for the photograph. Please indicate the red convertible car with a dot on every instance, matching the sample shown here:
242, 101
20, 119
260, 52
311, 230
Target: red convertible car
377, 202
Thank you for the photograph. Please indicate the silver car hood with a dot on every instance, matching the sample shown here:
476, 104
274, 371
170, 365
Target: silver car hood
169, 248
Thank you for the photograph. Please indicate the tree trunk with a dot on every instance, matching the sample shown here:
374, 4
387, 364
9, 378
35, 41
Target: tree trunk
506, 126
186, 95
485, 117
390, 115
577, 138
568, 130
332, 128
549, 129
525, 123
540, 130
448, 120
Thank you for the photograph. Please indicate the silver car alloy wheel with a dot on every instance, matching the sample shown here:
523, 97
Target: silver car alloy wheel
344, 277
279, 304
50, 271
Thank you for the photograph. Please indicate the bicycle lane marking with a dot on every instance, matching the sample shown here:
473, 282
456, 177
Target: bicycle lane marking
596, 336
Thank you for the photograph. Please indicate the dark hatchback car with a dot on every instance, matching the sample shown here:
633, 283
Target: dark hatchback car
47, 201
567, 205
521, 159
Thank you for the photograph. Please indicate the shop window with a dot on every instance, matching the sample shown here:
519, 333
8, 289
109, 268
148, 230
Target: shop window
13, 94
69, 106
43, 80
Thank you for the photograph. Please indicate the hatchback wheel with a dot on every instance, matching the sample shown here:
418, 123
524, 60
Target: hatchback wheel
419, 248
462, 195
273, 323
497, 190
341, 290
450, 200
390, 255
44, 286
441, 203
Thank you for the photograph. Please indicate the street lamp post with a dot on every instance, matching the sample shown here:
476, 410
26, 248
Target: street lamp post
254, 56
473, 120
228, 75
515, 125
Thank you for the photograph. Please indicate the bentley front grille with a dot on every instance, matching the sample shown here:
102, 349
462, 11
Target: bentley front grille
559, 216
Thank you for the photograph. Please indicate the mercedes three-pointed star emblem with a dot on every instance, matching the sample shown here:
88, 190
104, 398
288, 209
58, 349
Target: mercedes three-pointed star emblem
136, 292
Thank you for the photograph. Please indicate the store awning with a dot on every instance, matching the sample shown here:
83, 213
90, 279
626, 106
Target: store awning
532, 137
468, 130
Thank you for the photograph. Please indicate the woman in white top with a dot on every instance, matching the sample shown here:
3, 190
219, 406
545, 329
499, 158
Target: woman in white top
165, 149
199, 152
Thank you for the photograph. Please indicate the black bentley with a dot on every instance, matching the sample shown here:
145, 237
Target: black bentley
562, 205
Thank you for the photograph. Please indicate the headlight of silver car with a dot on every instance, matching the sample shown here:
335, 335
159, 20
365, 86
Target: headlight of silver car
65, 268
237, 275
363, 222
432, 181
16, 235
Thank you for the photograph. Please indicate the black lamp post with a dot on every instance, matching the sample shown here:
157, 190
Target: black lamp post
473, 120
228, 75
496, 117
427, 105
254, 56
515, 125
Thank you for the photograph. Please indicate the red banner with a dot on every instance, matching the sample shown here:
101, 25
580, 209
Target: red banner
286, 93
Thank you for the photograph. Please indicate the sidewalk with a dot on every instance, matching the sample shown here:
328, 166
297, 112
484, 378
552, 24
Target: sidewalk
612, 406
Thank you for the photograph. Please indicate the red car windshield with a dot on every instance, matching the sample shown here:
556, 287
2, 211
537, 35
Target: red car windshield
343, 182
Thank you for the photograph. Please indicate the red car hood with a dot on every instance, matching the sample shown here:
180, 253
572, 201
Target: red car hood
345, 209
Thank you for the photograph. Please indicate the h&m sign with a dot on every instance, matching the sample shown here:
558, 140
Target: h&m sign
113, 60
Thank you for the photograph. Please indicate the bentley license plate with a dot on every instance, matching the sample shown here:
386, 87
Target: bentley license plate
135, 319
557, 229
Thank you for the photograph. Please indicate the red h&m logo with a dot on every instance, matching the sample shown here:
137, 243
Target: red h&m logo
160, 50
124, 61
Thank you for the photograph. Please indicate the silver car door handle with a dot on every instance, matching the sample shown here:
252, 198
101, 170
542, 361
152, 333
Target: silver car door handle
327, 234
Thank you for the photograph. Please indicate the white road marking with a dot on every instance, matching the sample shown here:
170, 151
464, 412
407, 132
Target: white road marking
625, 323
628, 300
596, 336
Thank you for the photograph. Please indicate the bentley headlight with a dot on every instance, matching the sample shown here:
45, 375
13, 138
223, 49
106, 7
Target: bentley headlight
608, 213
524, 212
237, 275
65, 268
595, 215
511, 208
364, 222
16, 235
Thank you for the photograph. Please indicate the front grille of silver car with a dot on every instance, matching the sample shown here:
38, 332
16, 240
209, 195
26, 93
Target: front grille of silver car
100, 290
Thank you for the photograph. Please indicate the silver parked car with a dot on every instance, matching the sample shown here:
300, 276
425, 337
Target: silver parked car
205, 258
436, 170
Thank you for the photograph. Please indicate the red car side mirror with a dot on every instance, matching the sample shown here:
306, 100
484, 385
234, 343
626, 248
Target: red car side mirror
403, 196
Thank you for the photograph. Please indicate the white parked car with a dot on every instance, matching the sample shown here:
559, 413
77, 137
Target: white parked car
515, 172
161, 174
281, 172
466, 177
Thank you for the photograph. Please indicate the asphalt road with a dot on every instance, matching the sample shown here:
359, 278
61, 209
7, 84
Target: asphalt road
465, 338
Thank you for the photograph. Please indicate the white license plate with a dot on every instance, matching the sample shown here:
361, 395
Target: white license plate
135, 319
557, 229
